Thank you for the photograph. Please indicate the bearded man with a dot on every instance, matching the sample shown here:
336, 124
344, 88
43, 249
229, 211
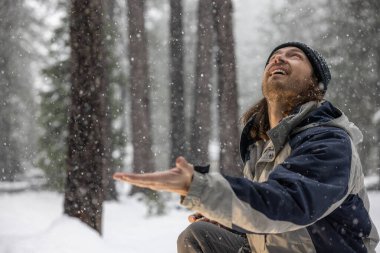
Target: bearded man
303, 186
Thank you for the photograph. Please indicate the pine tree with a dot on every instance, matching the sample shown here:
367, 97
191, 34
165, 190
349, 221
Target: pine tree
55, 102
15, 82
177, 103
53, 117
139, 90
227, 89
201, 123
115, 143
87, 118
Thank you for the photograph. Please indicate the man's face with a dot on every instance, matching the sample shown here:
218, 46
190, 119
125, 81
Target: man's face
288, 74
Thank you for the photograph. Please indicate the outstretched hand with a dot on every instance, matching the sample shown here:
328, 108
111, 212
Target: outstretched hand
176, 180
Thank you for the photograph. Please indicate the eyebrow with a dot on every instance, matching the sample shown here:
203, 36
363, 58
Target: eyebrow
297, 50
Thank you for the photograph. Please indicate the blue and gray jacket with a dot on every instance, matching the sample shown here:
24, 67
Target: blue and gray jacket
303, 190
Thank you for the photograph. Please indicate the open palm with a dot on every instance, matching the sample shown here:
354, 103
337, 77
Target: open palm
176, 180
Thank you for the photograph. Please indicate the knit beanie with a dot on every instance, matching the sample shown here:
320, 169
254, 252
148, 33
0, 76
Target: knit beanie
321, 70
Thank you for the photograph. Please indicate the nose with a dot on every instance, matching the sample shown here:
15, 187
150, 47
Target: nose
278, 58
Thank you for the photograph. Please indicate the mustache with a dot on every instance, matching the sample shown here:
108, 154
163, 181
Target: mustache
281, 65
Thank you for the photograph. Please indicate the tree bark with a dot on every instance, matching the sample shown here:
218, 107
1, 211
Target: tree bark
177, 105
200, 132
140, 86
87, 121
227, 89
108, 183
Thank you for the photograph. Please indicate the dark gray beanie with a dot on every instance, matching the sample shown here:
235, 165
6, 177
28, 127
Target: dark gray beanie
321, 70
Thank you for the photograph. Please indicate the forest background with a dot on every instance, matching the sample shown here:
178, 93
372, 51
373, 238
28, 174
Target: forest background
93, 87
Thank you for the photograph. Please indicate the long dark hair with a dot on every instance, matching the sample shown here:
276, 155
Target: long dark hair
260, 110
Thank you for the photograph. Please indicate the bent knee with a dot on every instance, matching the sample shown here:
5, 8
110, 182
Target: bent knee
189, 233
193, 233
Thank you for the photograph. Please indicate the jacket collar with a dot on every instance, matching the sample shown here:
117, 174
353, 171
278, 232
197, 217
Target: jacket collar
279, 134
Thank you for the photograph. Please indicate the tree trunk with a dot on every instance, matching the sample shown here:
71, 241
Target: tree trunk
87, 121
140, 86
227, 89
200, 132
10, 163
9, 155
108, 183
177, 105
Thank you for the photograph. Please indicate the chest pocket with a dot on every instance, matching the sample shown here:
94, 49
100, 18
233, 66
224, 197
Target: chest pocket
255, 151
265, 164
263, 161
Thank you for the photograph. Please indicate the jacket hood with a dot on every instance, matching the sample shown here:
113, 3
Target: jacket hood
310, 114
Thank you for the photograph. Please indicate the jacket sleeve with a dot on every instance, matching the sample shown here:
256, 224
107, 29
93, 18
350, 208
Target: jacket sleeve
312, 182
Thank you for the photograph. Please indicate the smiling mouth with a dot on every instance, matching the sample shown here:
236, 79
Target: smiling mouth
278, 72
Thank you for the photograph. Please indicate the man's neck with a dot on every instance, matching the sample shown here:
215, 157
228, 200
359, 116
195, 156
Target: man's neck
276, 111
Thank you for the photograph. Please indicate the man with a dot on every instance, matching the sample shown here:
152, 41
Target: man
303, 189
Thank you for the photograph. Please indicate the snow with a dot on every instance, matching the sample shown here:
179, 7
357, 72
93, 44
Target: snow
376, 118
371, 180
33, 222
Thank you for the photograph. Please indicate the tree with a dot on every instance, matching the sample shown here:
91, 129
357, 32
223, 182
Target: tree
177, 103
227, 89
356, 85
139, 90
200, 132
53, 118
15, 82
115, 143
54, 105
87, 121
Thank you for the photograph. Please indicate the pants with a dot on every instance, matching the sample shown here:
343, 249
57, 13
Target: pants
205, 237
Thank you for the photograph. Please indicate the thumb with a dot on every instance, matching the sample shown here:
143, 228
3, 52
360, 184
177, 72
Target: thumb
182, 163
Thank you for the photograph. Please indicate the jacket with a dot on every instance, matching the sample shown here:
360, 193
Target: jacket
302, 191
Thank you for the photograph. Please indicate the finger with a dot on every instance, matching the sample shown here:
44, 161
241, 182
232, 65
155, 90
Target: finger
203, 219
118, 175
192, 218
144, 186
139, 178
182, 163
153, 185
137, 181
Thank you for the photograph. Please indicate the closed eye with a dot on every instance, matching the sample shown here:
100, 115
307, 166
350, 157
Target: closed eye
296, 56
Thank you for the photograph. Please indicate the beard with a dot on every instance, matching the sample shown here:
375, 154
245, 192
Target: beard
287, 88
292, 93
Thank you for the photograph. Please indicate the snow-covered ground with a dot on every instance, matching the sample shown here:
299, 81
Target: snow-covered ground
32, 222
